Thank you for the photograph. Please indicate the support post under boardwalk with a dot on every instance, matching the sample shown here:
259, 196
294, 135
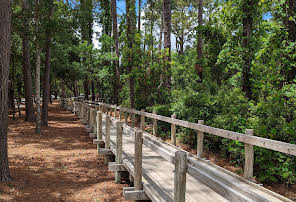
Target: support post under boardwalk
107, 138
142, 125
180, 176
249, 157
173, 131
118, 151
200, 139
154, 124
138, 161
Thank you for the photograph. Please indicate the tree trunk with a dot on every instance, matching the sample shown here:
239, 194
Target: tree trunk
38, 61
247, 53
86, 89
160, 38
139, 17
46, 84
30, 112
291, 27
200, 41
93, 95
116, 63
5, 31
167, 40
131, 26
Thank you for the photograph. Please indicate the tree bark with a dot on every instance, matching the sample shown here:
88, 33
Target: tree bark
200, 41
139, 17
86, 89
30, 112
291, 27
46, 83
5, 31
116, 63
167, 40
38, 62
93, 95
131, 26
246, 45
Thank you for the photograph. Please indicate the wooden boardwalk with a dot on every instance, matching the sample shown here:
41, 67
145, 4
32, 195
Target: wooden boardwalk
204, 180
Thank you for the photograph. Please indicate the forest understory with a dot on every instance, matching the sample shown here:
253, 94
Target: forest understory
60, 164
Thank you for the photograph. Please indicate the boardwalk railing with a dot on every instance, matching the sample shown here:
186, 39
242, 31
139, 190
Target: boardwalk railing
92, 112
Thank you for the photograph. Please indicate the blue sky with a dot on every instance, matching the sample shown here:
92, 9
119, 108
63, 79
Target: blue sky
121, 6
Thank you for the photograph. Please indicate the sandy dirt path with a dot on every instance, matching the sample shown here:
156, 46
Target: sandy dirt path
61, 164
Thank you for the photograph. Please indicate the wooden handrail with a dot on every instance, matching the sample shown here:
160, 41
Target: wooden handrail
253, 140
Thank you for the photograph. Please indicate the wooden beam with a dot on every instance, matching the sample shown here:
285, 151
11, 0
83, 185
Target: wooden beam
106, 152
118, 156
142, 124
154, 125
200, 139
257, 141
107, 138
180, 176
138, 160
115, 167
249, 158
173, 131
136, 195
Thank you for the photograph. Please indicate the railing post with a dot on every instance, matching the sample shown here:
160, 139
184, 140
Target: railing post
118, 151
154, 125
88, 116
126, 118
107, 138
85, 114
173, 131
180, 176
200, 138
138, 161
115, 111
249, 157
94, 120
106, 110
119, 110
99, 129
133, 117
142, 125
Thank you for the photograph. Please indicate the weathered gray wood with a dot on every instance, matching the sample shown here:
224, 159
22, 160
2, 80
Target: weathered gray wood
133, 117
88, 116
180, 176
249, 158
196, 191
96, 141
118, 157
254, 140
120, 117
94, 120
138, 160
142, 124
106, 152
115, 112
154, 125
115, 167
126, 118
107, 138
173, 131
136, 195
99, 129
200, 139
